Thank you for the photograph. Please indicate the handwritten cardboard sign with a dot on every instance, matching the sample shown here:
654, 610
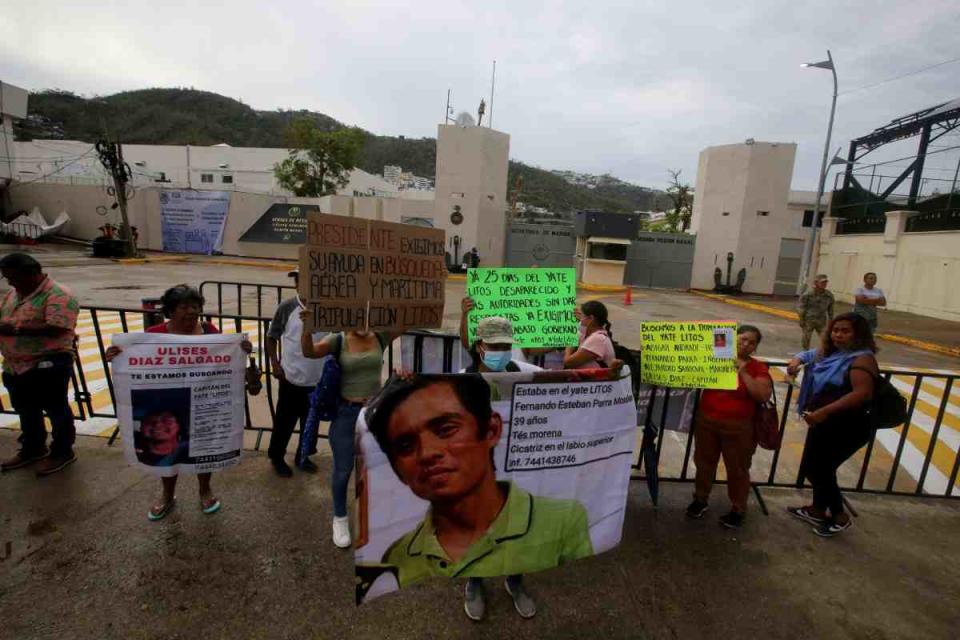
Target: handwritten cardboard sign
372, 275
689, 354
539, 302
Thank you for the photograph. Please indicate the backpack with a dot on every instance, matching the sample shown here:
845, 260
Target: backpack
629, 359
325, 397
888, 409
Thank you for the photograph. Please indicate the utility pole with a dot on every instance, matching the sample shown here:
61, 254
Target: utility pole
111, 157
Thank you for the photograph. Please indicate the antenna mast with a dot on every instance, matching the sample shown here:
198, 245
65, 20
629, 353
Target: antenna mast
493, 82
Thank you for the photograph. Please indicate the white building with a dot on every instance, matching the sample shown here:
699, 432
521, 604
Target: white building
391, 173
744, 207
220, 167
470, 202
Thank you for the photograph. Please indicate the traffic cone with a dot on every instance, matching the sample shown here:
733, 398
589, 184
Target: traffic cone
628, 297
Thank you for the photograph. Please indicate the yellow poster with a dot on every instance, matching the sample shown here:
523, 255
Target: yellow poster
689, 354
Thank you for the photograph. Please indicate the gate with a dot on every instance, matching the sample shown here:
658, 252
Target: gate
545, 244
660, 260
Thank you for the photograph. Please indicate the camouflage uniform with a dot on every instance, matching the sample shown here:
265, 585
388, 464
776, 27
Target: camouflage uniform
815, 310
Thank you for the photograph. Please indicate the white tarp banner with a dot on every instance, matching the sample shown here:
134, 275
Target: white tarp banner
180, 400
34, 225
193, 221
554, 489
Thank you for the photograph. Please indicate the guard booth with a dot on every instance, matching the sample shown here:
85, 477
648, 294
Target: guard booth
603, 240
660, 260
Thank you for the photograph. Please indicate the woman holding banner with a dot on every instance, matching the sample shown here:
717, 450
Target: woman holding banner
838, 385
183, 306
360, 356
723, 426
595, 350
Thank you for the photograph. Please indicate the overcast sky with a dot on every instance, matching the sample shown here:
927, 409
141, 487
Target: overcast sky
630, 88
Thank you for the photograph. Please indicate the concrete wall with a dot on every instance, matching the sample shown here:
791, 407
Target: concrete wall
918, 272
472, 173
13, 104
735, 183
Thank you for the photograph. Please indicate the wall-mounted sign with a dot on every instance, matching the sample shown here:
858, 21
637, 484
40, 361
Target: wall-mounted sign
281, 224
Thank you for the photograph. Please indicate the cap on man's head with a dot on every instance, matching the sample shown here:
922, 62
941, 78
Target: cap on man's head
495, 330
821, 277
20, 262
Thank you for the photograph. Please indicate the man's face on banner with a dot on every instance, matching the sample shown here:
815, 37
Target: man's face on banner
160, 431
438, 449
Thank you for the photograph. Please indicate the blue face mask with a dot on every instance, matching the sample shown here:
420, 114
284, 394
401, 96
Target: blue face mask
496, 360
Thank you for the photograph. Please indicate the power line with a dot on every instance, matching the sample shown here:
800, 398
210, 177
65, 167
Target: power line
900, 77
17, 185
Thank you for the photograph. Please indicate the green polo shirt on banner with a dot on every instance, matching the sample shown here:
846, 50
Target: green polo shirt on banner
531, 533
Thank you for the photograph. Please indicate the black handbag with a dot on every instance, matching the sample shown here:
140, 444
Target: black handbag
888, 409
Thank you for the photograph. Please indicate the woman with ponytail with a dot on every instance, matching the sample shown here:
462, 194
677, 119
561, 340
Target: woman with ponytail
595, 350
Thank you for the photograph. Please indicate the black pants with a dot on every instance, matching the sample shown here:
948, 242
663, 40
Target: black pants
293, 402
829, 445
40, 390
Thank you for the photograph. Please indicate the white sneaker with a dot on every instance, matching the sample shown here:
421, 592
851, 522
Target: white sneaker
341, 532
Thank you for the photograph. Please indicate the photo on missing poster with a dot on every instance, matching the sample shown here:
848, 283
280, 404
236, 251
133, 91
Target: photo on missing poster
180, 401
534, 467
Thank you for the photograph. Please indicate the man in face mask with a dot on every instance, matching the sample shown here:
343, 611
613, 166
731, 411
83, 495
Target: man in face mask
493, 349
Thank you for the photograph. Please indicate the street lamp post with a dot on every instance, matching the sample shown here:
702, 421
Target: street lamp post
812, 237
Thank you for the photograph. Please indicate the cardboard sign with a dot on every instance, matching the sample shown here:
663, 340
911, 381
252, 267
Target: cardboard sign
539, 302
689, 354
372, 275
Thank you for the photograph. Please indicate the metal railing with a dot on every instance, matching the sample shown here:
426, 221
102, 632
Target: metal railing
918, 459
230, 295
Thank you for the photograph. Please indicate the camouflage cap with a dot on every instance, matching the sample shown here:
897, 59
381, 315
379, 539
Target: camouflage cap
821, 277
495, 330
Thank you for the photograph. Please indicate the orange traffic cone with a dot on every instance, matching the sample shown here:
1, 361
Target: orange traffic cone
628, 297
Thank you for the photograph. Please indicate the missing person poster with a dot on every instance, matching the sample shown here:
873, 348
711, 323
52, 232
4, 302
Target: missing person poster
180, 400
533, 467
193, 221
372, 275
697, 355
539, 302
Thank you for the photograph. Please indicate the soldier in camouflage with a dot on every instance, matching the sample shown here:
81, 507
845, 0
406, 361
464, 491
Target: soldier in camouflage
815, 309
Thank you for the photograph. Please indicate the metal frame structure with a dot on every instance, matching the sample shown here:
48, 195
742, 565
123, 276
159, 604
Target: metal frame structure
930, 124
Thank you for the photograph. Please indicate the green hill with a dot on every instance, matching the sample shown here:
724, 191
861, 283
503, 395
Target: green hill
188, 116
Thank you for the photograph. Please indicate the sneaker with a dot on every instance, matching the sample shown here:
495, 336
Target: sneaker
282, 468
474, 599
341, 532
55, 462
831, 528
732, 520
696, 509
22, 459
522, 600
806, 514
307, 466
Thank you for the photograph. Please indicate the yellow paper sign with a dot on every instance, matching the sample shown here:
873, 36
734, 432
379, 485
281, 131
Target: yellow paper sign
689, 354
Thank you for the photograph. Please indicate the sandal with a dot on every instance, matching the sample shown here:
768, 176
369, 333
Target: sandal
210, 505
156, 514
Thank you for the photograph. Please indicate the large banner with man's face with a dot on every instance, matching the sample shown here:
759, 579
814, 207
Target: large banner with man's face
480, 475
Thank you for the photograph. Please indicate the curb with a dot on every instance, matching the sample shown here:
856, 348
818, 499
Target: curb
601, 288
790, 315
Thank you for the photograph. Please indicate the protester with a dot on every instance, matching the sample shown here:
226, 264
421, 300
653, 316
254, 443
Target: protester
867, 298
37, 340
838, 384
815, 310
493, 351
182, 305
723, 426
297, 376
360, 354
596, 346
487, 352
439, 434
